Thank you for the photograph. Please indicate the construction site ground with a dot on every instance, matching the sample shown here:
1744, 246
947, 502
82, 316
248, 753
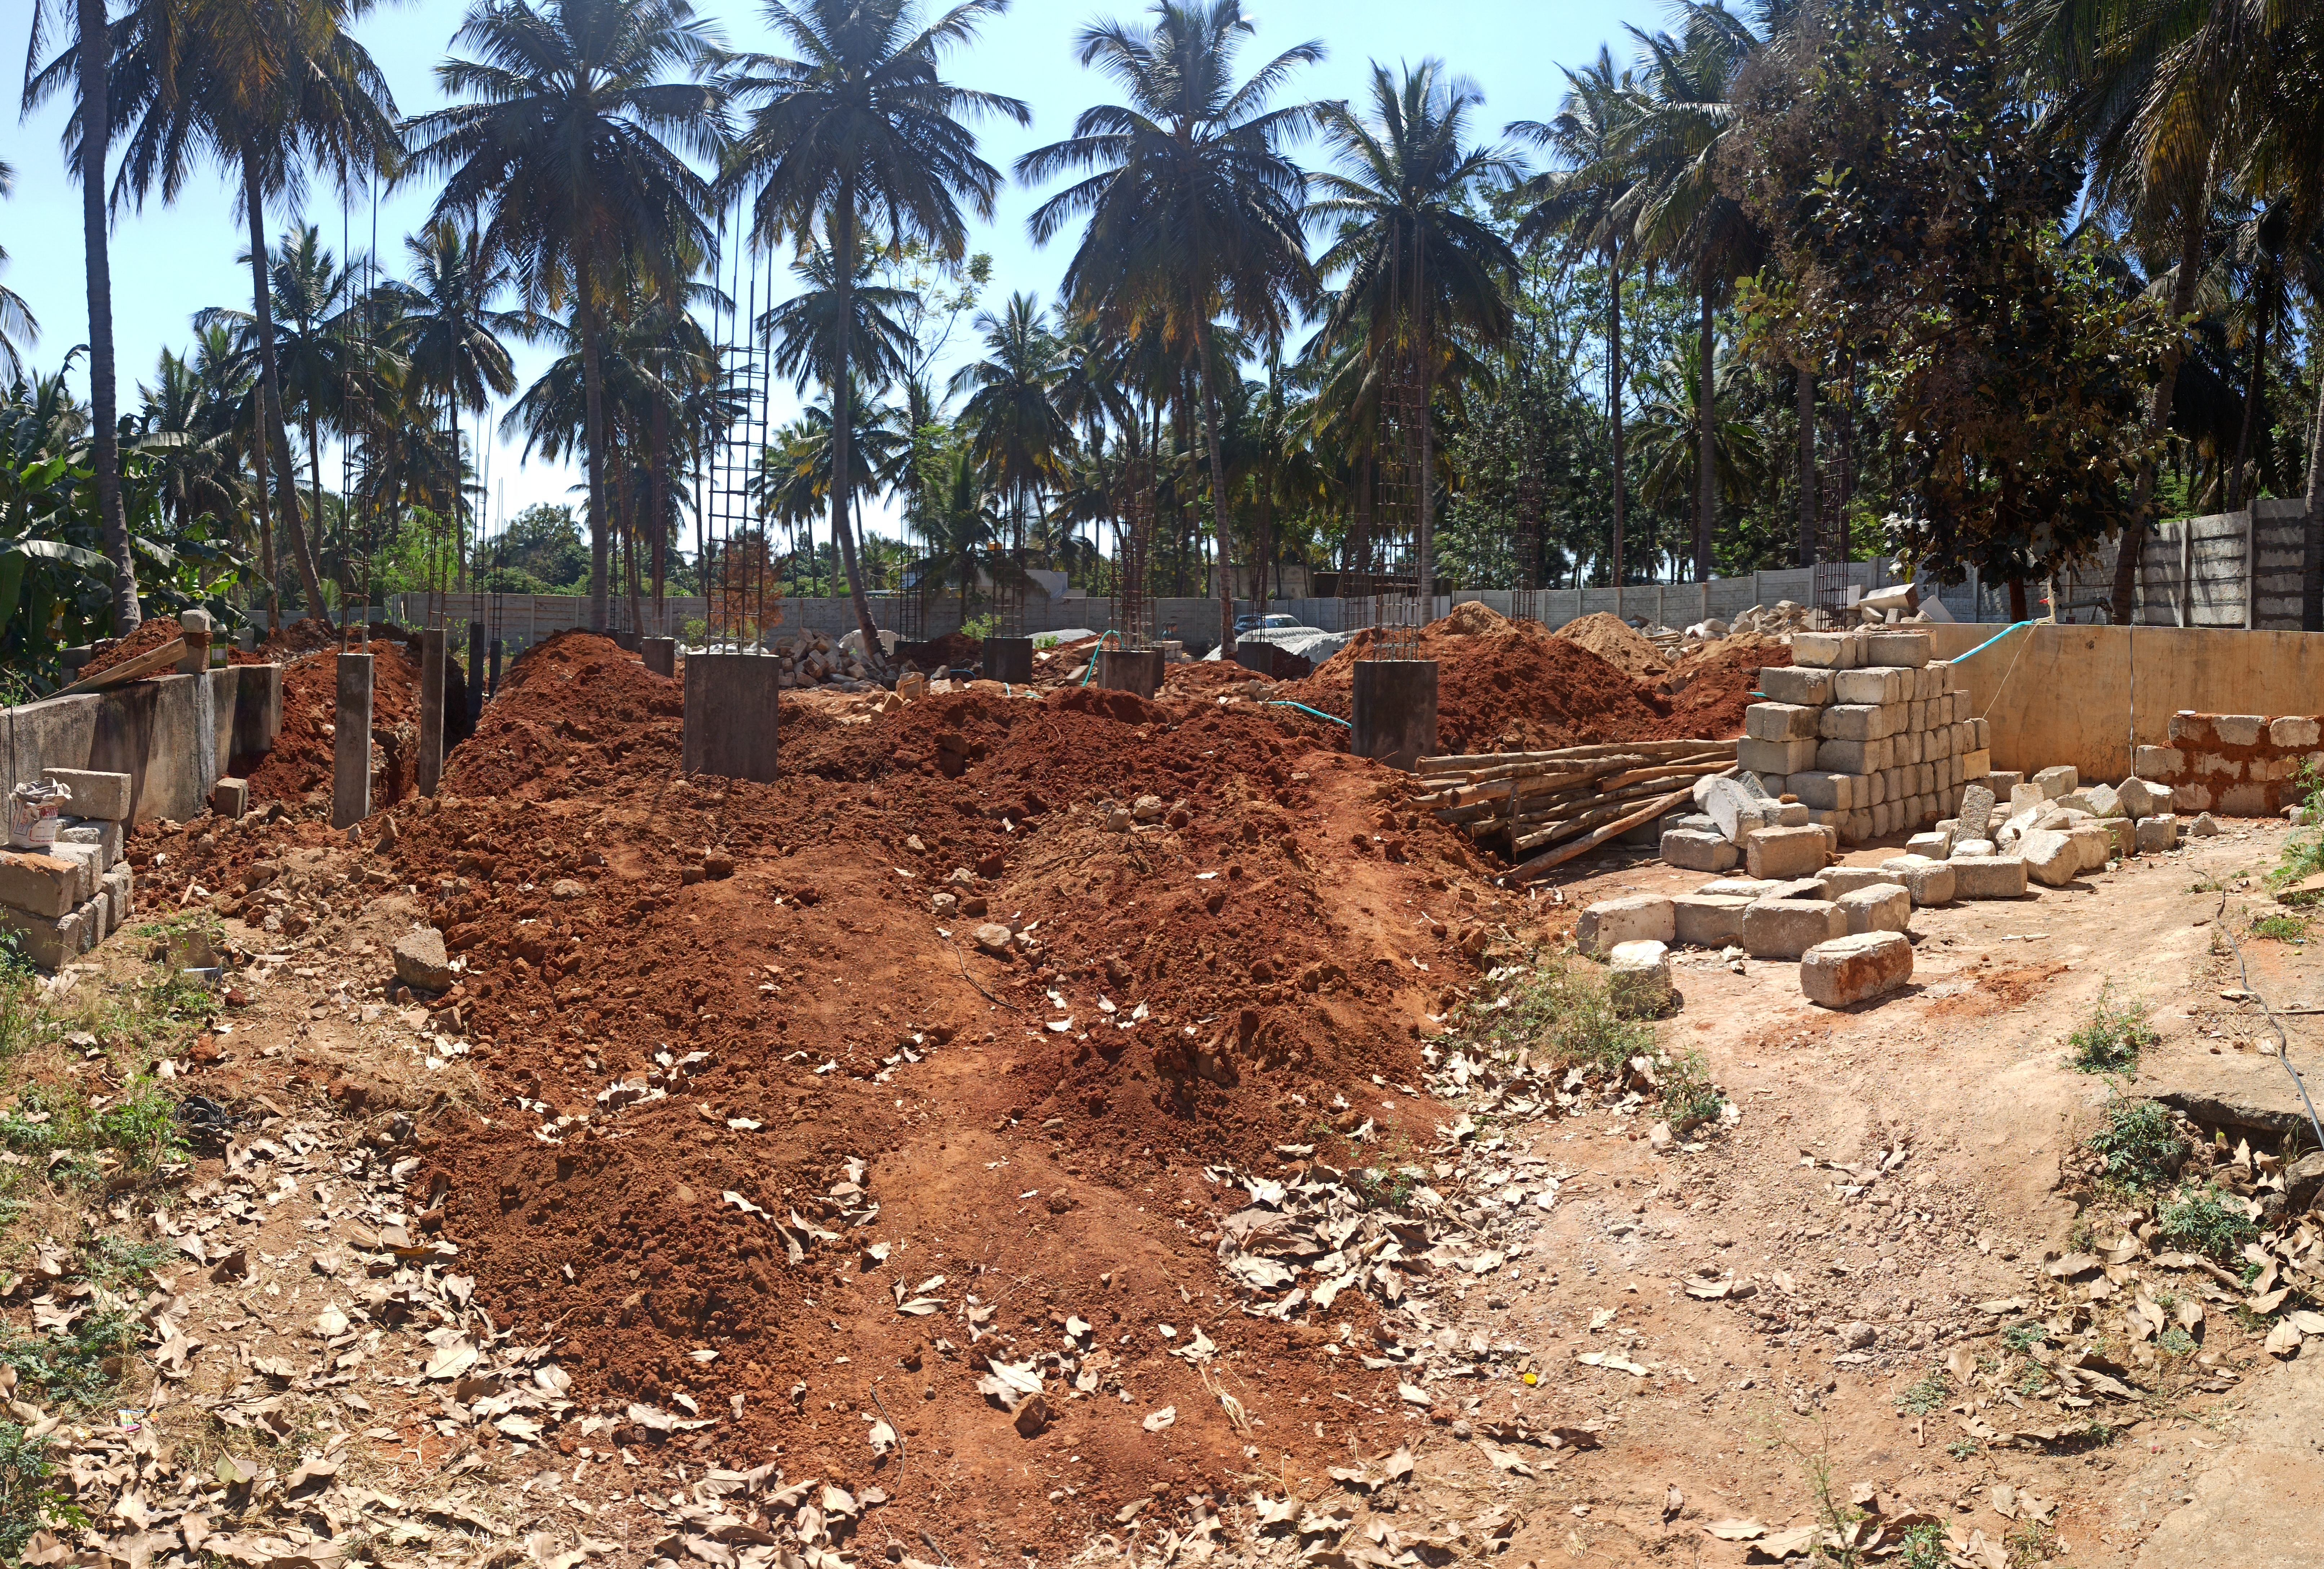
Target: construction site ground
732, 1163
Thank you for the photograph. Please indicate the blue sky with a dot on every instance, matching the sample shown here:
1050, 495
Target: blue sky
169, 262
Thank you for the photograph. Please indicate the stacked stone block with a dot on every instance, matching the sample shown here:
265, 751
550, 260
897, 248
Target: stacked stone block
61, 901
2238, 765
1866, 731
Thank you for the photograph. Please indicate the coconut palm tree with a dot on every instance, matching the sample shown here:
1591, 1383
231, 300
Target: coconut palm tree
87, 140
1671, 421
860, 138
1420, 268
1016, 429
187, 442
1193, 206
571, 149
262, 89
19, 330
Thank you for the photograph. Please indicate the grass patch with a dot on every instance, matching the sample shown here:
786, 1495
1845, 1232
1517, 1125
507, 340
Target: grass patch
1563, 1012
2207, 1219
1961, 1449
30, 1497
2282, 928
2140, 1145
2303, 853
2110, 1040
81, 1366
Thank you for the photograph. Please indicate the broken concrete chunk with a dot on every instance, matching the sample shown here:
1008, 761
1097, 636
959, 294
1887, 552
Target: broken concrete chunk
2052, 858
1638, 979
1882, 908
2139, 799
2157, 832
1786, 929
1643, 918
1855, 969
1728, 801
420, 962
2205, 826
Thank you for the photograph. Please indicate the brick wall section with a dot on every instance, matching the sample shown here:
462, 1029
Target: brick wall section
2238, 765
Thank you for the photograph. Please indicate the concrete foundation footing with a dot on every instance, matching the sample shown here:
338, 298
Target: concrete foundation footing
661, 655
1394, 711
1009, 658
625, 640
729, 715
351, 741
1137, 671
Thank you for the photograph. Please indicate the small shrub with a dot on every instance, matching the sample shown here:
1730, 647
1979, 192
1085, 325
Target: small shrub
2110, 1042
2024, 1337
1689, 1097
1923, 1547
30, 1497
1928, 1395
2282, 928
141, 1126
2140, 1145
2303, 853
2207, 1219
1564, 1013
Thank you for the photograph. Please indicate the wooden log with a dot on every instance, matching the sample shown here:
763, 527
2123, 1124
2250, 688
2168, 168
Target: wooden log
144, 664
1527, 870
1582, 806
1474, 812
1487, 760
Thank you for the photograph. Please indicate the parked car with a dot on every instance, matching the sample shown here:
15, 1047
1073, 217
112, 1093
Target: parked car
1244, 624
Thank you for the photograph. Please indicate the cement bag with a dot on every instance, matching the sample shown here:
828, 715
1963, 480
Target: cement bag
32, 812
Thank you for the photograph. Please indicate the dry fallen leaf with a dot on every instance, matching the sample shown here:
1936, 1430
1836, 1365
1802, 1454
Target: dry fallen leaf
1157, 1420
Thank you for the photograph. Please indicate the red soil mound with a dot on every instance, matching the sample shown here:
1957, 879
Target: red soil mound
151, 634
1506, 686
541, 737
1714, 687
301, 763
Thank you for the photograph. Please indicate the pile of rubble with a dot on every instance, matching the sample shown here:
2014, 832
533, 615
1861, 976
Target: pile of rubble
63, 886
815, 660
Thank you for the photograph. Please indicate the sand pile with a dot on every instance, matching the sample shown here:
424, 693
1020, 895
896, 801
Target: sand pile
301, 763
1505, 686
1618, 643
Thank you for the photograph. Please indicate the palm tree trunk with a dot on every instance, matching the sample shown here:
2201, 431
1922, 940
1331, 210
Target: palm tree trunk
1614, 404
593, 382
93, 58
1807, 394
843, 530
1706, 481
1425, 581
315, 480
274, 434
2312, 571
661, 502
2158, 405
1218, 485
2251, 415
266, 544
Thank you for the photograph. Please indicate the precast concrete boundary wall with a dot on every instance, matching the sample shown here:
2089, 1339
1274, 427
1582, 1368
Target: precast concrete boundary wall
2086, 695
175, 736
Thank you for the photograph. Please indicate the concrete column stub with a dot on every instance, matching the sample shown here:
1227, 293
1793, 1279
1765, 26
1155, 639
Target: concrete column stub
351, 742
430, 771
1394, 711
731, 716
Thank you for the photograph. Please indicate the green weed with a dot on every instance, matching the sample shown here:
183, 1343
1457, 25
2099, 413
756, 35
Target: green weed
2024, 1337
140, 1126
2282, 928
2036, 1380
1923, 1547
2140, 1145
1562, 1013
29, 1495
2112, 1038
1928, 1395
2206, 1220
79, 1367
1689, 1097
2303, 853
2175, 1342
1961, 1449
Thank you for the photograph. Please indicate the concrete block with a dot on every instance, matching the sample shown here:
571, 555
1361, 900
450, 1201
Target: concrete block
230, 797
1850, 756
1879, 909
1976, 811
1838, 881
1638, 979
1740, 887
2057, 782
1854, 722
1965, 847
1784, 853
1699, 851
1820, 650
1988, 876
1868, 686
2052, 858
1930, 882
95, 794
1783, 757
2237, 729
1796, 683
2191, 797
2188, 725
2094, 843
1709, 921
2158, 763
39, 884
1907, 649
1780, 722
48, 941
1830, 792
1848, 970
2157, 832
120, 892
2293, 731
1643, 918
102, 832
1786, 929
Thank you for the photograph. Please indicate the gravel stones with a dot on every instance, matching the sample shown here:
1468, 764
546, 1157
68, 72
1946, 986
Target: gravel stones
1856, 968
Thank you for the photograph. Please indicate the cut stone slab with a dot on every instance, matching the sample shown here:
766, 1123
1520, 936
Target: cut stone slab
1741, 887
1820, 650
1638, 979
2027, 797
1904, 650
1927, 882
1971, 847
1709, 921
1642, 918
1936, 844
2157, 833
2237, 729
2094, 842
1842, 879
94, 794
2051, 859
1797, 684
230, 797
1976, 805
88, 865
1775, 757
420, 962
1780, 722
1988, 876
1783, 853
2002, 783
1727, 801
2105, 800
103, 833
1786, 929
1887, 909
1694, 851
2058, 781
1848, 970
39, 884
51, 941
2292, 733
2138, 798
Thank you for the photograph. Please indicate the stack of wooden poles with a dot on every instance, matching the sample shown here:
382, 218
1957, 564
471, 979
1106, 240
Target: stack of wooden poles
1553, 806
